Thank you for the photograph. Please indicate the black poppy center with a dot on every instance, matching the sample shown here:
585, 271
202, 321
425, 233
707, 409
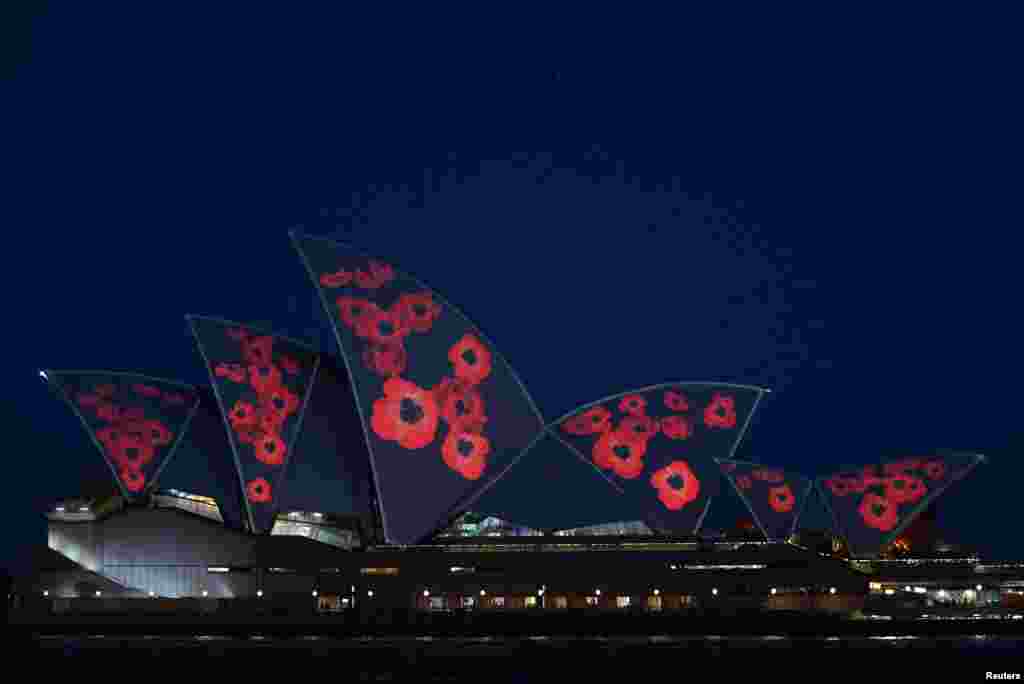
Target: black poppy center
410, 411
676, 481
156, 433
781, 497
419, 310
386, 328
878, 509
622, 451
270, 445
465, 448
240, 413
357, 311
460, 408
264, 371
899, 484
278, 403
639, 429
132, 453
721, 411
469, 356
596, 419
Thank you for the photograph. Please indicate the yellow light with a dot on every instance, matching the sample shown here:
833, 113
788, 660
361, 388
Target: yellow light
832, 590
483, 593
774, 591
656, 592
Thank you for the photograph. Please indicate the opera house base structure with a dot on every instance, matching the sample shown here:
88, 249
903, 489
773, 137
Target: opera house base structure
410, 483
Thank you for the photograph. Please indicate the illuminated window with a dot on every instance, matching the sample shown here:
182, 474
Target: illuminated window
468, 601
437, 603
654, 603
283, 571
457, 570
218, 569
531, 601
379, 571
499, 601
591, 600
622, 601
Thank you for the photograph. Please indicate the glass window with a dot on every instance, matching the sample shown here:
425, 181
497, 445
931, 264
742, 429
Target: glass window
591, 600
531, 601
499, 601
468, 601
379, 571
622, 601
561, 602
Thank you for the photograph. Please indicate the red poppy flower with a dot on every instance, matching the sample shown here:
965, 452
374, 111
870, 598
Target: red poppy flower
901, 489
591, 421
637, 427
726, 467
265, 378
339, 278
270, 422
676, 427
934, 469
258, 351
157, 433
386, 360
108, 436
877, 512
901, 467
134, 480
857, 484
88, 400
621, 454
176, 399
232, 371
259, 491
353, 311
105, 391
418, 311
634, 405
237, 334
282, 401
744, 482
382, 327
675, 401
472, 360
376, 275
676, 484
270, 449
781, 499
721, 412
146, 390
242, 415
290, 365
768, 475
838, 486
466, 453
132, 413
461, 405
108, 412
407, 414
129, 451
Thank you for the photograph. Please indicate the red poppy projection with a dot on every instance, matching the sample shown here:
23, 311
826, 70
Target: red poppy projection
136, 421
874, 504
262, 382
774, 497
659, 445
444, 414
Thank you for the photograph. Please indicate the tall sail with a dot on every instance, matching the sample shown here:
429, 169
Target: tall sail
874, 504
659, 445
775, 497
443, 413
262, 382
135, 420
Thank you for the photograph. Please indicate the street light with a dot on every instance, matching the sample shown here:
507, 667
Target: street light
831, 590
426, 592
314, 593
657, 592
370, 593
259, 593
714, 592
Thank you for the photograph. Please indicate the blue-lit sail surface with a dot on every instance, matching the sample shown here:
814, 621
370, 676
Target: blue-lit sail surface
774, 497
262, 382
659, 445
873, 504
135, 420
442, 411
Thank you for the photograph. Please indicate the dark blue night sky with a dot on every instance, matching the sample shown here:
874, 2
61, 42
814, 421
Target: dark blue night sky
831, 214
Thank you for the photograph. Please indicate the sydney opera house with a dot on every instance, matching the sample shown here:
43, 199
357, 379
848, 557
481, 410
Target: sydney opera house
411, 470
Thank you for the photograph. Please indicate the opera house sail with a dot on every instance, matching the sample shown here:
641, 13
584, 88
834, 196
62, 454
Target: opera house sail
417, 441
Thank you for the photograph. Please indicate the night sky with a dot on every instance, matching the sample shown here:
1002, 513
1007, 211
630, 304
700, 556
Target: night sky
829, 213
